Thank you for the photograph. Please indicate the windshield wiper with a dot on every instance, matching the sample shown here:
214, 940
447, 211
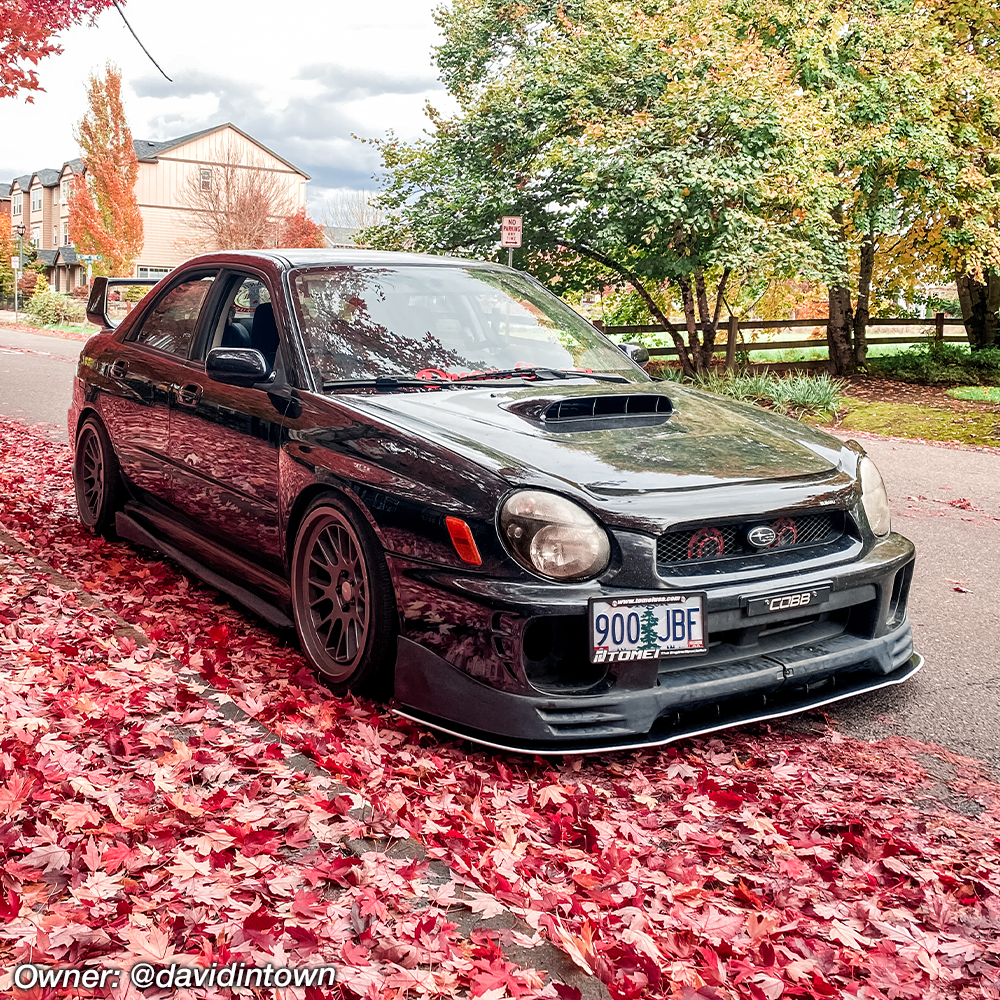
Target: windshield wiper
384, 383
546, 373
392, 383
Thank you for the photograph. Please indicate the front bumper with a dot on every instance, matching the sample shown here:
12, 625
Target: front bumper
758, 668
692, 703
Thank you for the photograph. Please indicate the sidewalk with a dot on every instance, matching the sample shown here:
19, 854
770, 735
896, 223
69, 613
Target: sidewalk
25, 323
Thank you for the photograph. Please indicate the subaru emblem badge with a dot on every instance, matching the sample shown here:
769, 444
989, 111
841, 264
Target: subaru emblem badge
762, 536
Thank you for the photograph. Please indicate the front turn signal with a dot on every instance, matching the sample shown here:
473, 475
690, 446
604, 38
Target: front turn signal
461, 538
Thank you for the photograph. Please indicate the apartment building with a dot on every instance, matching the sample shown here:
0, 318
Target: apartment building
168, 171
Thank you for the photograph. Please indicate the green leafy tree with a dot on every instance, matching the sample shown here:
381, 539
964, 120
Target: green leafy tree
8, 250
658, 144
908, 86
32, 272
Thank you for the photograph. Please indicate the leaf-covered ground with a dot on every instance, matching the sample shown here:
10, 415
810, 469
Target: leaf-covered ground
136, 821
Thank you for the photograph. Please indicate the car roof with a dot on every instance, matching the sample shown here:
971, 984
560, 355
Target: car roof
337, 257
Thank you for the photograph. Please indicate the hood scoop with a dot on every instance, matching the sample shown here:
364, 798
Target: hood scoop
596, 413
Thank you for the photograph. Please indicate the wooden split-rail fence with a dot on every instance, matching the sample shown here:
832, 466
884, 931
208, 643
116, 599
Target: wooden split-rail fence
731, 345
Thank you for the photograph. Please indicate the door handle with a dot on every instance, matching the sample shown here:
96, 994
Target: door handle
119, 368
189, 395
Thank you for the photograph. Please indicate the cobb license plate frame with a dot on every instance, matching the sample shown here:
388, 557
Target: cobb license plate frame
605, 648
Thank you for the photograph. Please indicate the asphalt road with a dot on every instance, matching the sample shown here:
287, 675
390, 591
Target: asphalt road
36, 379
947, 500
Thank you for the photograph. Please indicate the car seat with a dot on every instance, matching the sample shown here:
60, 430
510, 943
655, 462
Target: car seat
264, 334
235, 335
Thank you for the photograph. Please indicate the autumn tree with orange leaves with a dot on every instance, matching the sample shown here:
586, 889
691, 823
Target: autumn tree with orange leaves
298, 230
27, 28
104, 215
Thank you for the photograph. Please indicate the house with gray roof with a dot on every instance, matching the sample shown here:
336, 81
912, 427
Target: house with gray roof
168, 171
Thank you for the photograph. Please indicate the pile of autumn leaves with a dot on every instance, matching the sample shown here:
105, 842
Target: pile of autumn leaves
137, 823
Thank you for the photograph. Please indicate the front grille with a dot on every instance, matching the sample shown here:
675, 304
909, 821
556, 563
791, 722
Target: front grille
704, 542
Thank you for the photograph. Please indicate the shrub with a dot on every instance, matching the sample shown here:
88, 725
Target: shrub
934, 362
796, 394
50, 307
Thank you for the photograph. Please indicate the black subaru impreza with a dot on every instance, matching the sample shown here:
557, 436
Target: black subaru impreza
468, 500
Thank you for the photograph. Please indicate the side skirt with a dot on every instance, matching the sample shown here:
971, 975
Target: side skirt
128, 527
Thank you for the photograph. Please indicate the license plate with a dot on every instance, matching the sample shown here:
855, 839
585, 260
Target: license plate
647, 628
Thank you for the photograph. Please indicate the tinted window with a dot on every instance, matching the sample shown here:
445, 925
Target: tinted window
172, 322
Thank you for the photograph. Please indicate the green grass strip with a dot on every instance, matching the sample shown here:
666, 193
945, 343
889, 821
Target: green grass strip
928, 422
976, 393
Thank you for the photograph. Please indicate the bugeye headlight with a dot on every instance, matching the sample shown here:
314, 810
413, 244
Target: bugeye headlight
553, 536
874, 498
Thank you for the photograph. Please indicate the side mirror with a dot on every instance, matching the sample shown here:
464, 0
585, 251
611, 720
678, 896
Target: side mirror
636, 353
242, 366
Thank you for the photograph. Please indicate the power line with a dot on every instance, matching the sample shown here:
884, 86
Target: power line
141, 46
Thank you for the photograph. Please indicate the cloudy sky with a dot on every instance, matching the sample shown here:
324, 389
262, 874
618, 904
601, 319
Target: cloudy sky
300, 75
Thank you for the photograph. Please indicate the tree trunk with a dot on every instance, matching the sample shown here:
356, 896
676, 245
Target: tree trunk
691, 321
864, 293
838, 331
840, 324
980, 304
708, 322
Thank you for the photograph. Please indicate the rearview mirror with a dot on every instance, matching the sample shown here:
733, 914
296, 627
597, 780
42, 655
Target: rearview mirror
243, 366
636, 352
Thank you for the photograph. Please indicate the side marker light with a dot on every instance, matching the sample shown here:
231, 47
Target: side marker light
461, 538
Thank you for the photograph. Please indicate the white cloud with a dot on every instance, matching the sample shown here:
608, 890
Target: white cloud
301, 77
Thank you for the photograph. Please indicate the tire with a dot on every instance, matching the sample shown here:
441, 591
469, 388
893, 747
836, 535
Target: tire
97, 478
343, 600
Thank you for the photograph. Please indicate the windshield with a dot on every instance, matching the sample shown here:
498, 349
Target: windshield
440, 322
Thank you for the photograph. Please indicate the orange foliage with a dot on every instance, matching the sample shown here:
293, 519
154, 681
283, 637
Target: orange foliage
297, 230
104, 215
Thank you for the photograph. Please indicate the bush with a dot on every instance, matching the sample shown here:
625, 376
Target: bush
796, 394
50, 307
954, 363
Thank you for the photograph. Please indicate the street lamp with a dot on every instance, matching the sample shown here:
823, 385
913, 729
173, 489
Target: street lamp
19, 229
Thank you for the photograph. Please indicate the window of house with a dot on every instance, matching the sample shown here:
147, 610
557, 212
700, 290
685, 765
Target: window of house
151, 272
65, 239
36, 200
36, 237
65, 190
55, 236
16, 208
206, 178
173, 321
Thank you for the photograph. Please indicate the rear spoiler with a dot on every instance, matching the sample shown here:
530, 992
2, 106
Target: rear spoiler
97, 305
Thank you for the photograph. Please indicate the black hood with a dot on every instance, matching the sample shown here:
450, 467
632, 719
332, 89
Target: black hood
706, 441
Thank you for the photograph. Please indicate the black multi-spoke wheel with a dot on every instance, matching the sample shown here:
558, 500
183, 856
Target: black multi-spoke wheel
345, 611
96, 478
